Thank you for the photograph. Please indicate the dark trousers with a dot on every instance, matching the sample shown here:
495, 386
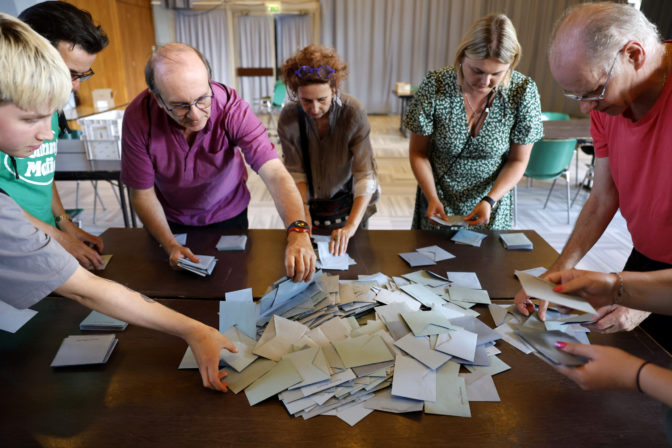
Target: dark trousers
238, 222
657, 325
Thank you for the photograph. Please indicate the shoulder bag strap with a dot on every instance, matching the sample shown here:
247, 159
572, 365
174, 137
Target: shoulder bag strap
304, 150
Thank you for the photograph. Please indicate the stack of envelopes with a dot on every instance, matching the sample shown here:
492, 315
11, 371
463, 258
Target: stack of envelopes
85, 349
101, 322
202, 268
516, 241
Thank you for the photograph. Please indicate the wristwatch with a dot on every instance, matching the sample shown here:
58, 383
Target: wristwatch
299, 226
489, 200
62, 217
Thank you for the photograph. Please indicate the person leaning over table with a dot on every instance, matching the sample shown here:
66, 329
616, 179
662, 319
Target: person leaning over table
181, 162
340, 173
472, 130
34, 84
610, 58
608, 367
30, 181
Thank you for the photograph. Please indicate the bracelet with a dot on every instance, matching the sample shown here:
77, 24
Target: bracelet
299, 226
639, 371
489, 200
621, 287
63, 217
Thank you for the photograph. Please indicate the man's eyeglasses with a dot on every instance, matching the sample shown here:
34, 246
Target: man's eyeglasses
81, 76
202, 103
322, 72
604, 88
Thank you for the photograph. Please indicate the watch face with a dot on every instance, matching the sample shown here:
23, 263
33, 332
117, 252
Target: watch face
301, 224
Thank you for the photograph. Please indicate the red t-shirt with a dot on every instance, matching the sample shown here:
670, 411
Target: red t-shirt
640, 161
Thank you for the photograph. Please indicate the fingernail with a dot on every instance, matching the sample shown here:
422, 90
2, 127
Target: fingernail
560, 344
558, 288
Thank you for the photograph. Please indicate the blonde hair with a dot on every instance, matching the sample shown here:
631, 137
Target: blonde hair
34, 75
492, 36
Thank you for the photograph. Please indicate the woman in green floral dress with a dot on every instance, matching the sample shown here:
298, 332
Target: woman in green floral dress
472, 130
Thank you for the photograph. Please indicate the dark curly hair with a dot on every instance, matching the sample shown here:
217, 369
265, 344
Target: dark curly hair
313, 56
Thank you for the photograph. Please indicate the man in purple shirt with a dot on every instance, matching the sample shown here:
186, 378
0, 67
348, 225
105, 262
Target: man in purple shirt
181, 162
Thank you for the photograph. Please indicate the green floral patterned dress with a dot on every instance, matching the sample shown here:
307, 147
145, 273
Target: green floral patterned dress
465, 167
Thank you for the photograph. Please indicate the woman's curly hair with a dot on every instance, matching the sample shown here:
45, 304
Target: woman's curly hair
313, 56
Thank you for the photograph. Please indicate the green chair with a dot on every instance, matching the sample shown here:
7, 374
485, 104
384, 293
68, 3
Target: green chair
272, 105
550, 160
554, 116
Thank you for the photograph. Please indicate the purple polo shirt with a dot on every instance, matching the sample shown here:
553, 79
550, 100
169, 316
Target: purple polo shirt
199, 184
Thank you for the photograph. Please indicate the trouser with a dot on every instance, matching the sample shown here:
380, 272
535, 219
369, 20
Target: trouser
238, 222
657, 325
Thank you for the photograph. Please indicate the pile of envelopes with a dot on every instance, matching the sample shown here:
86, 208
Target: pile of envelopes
319, 360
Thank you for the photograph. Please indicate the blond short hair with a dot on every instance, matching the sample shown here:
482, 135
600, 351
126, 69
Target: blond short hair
492, 36
34, 76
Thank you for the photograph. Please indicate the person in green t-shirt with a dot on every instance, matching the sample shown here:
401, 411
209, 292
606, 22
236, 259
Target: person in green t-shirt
30, 181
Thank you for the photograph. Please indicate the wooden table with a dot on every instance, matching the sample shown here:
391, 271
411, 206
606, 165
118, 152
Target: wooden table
567, 129
139, 398
140, 263
72, 165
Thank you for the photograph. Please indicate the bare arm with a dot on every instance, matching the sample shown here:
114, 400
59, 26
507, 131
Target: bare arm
118, 301
508, 177
594, 218
422, 169
299, 255
85, 255
151, 213
69, 227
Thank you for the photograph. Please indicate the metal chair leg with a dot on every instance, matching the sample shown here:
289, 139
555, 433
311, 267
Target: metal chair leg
515, 205
549, 192
567, 176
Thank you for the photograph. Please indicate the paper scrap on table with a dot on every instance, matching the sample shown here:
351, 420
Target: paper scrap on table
231, 242
466, 279
417, 259
543, 289
436, 253
468, 237
11, 319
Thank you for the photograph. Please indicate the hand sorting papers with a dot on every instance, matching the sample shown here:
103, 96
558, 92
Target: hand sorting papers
452, 221
203, 268
543, 289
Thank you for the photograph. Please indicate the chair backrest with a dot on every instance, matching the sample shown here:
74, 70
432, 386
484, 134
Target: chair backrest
550, 116
279, 94
550, 158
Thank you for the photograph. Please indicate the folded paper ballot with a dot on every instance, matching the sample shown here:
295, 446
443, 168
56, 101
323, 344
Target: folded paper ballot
203, 268
106, 261
452, 221
85, 349
543, 289
101, 322
232, 242
436, 253
516, 241
417, 259
11, 319
469, 237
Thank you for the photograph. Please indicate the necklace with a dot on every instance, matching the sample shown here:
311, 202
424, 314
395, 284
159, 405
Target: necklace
473, 111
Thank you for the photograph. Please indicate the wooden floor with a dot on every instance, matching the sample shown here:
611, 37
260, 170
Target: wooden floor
396, 204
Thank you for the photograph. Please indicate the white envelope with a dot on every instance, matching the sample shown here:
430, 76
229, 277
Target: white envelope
279, 336
362, 350
425, 323
245, 346
311, 365
418, 348
413, 380
543, 289
459, 343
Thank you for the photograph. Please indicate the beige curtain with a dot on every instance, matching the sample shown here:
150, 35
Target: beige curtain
385, 41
